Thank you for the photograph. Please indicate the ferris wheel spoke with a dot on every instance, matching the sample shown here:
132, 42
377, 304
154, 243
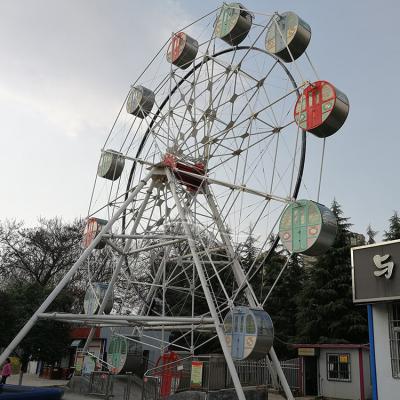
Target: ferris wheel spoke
233, 155
236, 125
221, 90
192, 87
233, 124
230, 68
286, 107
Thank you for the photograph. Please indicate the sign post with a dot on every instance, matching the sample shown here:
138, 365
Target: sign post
375, 273
196, 376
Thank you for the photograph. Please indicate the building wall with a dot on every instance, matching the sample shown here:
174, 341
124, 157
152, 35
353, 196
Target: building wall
367, 375
337, 389
388, 387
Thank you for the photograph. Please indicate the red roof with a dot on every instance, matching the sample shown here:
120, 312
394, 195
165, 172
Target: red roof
333, 346
83, 333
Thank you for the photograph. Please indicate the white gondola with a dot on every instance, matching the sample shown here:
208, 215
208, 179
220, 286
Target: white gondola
233, 23
111, 165
140, 101
249, 333
288, 36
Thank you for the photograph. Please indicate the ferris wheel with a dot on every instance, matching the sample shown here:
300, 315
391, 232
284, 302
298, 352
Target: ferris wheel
210, 146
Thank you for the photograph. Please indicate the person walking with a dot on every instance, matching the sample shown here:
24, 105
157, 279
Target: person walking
6, 371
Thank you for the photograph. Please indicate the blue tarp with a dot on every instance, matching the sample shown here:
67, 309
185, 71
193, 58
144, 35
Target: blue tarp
11, 392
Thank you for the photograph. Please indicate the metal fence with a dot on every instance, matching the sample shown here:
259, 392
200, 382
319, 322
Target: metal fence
173, 377
101, 384
293, 370
126, 386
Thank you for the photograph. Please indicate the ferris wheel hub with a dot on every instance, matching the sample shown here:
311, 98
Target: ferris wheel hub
187, 173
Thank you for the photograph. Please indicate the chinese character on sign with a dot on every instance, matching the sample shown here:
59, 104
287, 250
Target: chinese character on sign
384, 266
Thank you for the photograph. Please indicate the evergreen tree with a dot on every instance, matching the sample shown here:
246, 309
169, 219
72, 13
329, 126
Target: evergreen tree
248, 251
47, 340
394, 227
282, 304
326, 311
8, 319
371, 235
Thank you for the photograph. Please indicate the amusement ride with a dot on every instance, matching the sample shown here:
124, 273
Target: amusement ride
209, 146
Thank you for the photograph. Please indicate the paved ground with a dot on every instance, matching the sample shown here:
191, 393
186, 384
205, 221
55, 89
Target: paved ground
33, 380
275, 396
77, 396
74, 396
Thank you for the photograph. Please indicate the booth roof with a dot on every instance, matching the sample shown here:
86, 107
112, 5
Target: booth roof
333, 346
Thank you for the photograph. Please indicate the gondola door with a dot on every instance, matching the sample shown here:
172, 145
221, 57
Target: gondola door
299, 228
116, 354
238, 335
314, 109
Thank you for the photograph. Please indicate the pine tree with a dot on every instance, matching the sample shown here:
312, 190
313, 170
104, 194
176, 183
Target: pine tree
248, 251
326, 311
371, 235
281, 304
394, 227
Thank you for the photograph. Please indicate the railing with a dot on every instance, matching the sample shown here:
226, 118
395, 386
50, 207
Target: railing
160, 382
151, 388
101, 384
100, 364
105, 382
293, 370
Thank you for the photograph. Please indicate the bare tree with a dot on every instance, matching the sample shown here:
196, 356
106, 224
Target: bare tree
44, 253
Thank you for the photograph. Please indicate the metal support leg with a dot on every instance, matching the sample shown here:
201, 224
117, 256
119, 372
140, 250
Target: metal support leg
118, 267
27, 327
207, 294
274, 378
237, 269
240, 278
281, 375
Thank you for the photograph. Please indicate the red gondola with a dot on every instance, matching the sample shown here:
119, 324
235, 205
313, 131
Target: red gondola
321, 109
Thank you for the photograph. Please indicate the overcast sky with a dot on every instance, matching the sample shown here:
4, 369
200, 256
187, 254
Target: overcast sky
66, 66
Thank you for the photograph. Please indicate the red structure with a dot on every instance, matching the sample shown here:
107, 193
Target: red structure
82, 333
177, 45
185, 172
169, 373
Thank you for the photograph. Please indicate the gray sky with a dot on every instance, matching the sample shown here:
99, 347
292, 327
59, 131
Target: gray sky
66, 67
